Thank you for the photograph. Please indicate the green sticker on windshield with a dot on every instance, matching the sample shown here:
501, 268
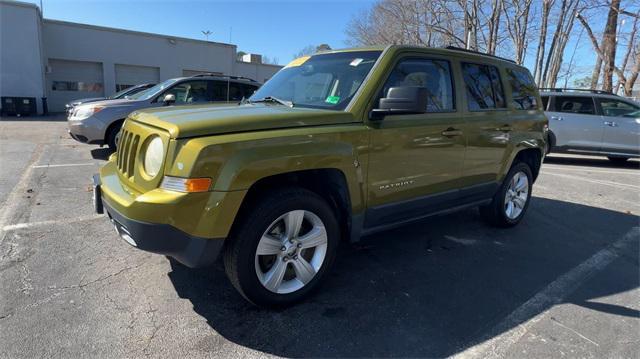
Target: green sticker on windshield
332, 100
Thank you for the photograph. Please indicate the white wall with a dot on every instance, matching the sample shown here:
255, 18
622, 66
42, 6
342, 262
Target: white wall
28, 42
258, 72
21, 72
64, 40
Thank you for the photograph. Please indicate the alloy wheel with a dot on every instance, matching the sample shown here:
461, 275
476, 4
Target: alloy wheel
517, 195
291, 251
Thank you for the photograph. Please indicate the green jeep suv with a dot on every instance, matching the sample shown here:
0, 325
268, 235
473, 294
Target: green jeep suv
334, 147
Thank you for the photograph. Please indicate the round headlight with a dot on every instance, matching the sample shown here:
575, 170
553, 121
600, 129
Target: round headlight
153, 156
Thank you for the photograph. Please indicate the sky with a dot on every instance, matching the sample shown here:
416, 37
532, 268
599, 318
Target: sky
277, 29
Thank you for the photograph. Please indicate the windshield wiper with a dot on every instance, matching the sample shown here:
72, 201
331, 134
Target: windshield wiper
273, 100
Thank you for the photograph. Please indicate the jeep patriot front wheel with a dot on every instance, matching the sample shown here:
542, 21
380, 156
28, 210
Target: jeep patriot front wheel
283, 248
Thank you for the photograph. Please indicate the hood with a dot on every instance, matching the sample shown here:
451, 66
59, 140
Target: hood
193, 121
114, 103
85, 100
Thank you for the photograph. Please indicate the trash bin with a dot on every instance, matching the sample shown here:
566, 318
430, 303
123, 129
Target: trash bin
18, 106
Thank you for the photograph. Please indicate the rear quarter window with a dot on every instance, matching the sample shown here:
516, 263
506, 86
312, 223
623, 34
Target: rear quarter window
483, 87
523, 89
545, 102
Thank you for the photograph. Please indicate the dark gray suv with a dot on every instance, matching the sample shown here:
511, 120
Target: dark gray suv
99, 122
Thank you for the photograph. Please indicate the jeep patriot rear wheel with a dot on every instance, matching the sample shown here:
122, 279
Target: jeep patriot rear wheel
511, 201
283, 248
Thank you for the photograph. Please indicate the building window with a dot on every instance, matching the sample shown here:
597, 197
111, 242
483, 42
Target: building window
76, 86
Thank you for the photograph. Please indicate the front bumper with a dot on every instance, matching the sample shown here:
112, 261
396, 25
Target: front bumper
159, 238
81, 131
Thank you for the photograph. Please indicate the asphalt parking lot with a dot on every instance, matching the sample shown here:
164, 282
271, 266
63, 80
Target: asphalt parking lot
563, 283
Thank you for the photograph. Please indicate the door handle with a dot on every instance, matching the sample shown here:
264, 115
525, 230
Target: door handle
451, 132
611, 123
557, 118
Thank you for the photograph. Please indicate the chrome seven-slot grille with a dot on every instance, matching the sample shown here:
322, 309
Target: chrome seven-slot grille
127, 152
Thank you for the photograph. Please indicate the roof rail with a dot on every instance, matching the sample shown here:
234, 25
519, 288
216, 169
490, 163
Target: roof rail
211, 74
455, 48
555, 89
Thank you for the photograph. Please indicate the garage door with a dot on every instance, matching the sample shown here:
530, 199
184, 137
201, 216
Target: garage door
130, 75
70, 80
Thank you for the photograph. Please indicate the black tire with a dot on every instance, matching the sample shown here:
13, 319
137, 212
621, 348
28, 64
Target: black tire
240, 250
618, 160
551, 141
494, 213
111, 138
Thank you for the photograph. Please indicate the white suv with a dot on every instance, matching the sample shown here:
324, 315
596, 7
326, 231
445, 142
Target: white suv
592, 122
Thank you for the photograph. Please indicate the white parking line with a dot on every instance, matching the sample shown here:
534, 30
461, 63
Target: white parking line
65, 165
13, 199
603, 182
511, 329
13, 227
583, 169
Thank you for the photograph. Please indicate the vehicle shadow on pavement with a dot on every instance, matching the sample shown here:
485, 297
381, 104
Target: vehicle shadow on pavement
592, 162
101, 153
54, 117
431, 289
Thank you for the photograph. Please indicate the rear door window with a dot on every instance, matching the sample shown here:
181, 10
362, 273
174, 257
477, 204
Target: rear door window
235, 92
575, 104
523, 89
483, 87
219, 90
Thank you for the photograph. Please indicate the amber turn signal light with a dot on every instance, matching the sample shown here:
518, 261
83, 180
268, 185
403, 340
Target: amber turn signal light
186, 184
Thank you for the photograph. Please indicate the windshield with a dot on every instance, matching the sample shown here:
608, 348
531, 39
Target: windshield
321, 81
152, 91
119, 94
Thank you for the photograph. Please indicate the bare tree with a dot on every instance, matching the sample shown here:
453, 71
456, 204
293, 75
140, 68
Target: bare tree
511, 28
567, 12
494, 25
609, 45
305, 51
269, 60
517, 22
546, 10
606, 50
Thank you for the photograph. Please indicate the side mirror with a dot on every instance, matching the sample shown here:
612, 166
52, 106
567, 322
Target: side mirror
169, 99
401, 100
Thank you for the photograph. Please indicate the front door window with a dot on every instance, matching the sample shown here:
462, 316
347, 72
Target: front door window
189, 92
